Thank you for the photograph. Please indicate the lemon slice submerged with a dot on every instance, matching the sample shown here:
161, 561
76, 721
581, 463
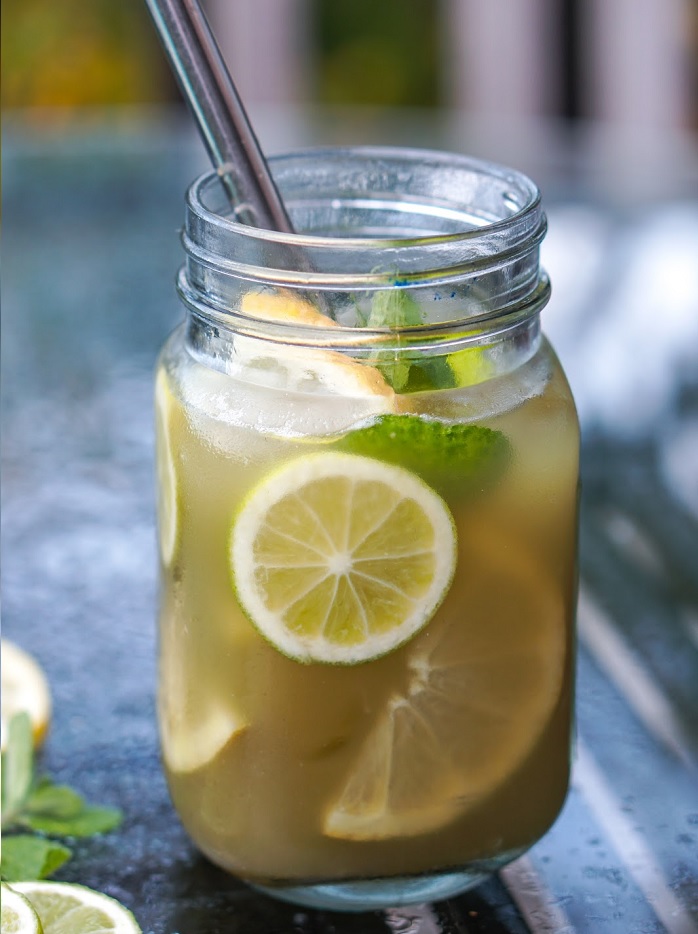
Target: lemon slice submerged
64, 908
478, 696
339, 558
168, 505
24, 689
195, 722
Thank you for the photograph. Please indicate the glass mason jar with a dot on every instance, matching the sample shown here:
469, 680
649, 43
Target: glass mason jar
368, 471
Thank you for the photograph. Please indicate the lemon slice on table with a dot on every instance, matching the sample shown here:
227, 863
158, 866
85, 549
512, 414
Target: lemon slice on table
18, 916
304, 366
64, 908
341, 558
24, 689
168, 497
478, 695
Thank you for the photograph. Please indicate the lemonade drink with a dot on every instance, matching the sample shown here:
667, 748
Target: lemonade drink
368, 563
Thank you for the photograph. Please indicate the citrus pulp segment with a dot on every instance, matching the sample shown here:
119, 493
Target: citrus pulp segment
339, 558
18, 916
479, 693
305, 366
65, 908
168, 519
24, 689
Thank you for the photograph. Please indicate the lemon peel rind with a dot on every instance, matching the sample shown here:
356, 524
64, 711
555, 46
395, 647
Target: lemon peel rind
288, 479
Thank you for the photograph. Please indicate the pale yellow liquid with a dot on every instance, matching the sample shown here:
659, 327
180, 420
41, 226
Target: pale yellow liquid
257, 806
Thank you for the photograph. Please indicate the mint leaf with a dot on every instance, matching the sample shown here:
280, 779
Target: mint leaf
17, 767
451, 458
89, 820
51, 800
27, 858
406, 371
393, 308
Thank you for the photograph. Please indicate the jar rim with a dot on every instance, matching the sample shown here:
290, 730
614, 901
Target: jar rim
459, 230
530, 197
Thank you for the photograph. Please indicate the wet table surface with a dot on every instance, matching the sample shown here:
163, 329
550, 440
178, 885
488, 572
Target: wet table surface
90, 250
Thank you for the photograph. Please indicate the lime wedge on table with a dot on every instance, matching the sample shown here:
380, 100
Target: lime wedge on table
340, 559
64, 908
24, 689
480, 690
18, 916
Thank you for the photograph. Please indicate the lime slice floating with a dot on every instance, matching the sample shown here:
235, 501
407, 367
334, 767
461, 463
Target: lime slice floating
64, 908
18, 916
339, 558
24, 689
166, 474
478, 696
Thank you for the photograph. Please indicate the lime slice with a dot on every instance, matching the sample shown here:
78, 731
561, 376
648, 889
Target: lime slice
18, 916
64, 908
479, 693
24, 689
307, 366
340, 558
165, 409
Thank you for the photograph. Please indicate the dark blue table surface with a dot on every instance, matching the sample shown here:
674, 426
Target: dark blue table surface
90, 252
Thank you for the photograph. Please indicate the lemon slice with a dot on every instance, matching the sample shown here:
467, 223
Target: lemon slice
195, 723
304, 366
64, 908
478, 695
340, 558
18, 916
283, 306
190, 742
168, 509
24, 689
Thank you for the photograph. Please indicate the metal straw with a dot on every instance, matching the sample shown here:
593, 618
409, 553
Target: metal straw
215, 102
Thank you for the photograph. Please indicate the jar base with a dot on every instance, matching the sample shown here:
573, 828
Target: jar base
373, 894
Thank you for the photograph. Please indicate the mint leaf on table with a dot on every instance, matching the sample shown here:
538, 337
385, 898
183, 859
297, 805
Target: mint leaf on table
62, 812
17, 765
39, 805
26, 857
89, 820
450, 457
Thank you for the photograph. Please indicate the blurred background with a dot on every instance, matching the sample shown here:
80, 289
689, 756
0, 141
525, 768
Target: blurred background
596, 99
